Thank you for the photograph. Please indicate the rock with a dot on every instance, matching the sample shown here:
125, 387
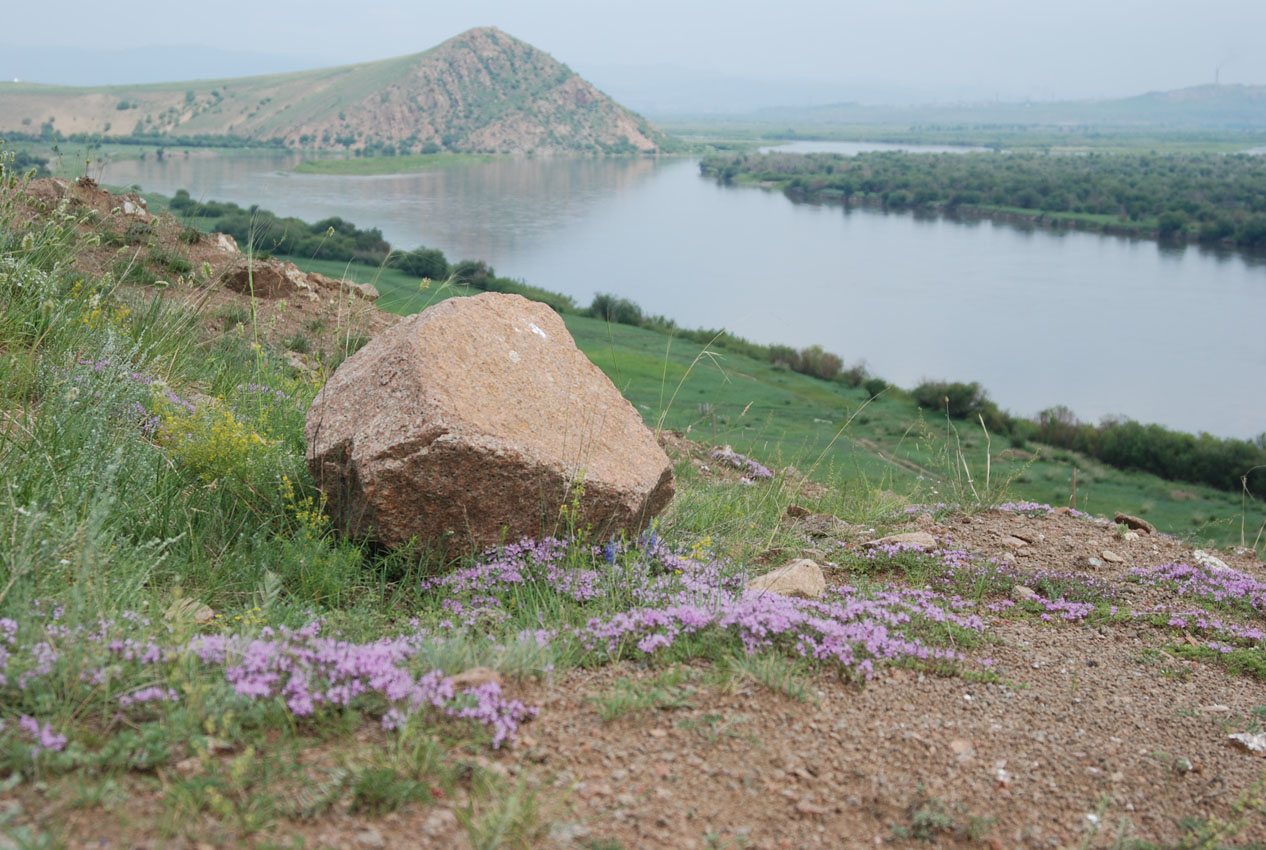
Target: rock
474, 678
801, 578
1210, 562
135, 206
797, 512
474, 422
1130, 535
295, 361
568, 833
1134, 523
1022, 593
189, 611
191, 766
440, 821
1111, 557
1014, 542
225, 243
963, 749
1063, 510
371, 838
922, 539
1092, 563
1254, 743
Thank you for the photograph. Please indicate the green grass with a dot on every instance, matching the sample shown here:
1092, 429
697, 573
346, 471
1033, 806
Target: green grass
391, 164
786, 418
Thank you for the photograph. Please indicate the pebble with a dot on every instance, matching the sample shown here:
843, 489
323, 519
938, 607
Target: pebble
371, 838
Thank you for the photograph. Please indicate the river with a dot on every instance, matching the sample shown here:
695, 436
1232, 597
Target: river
1102, 324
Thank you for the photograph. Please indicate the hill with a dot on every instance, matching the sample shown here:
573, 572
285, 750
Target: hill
482, 90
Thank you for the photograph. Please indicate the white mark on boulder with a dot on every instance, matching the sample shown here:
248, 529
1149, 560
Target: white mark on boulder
537, 331
514, 356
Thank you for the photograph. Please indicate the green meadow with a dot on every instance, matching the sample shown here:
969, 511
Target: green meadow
840, 434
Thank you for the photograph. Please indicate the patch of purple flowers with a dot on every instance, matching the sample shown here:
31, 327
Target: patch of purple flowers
42, 735
753, 468
1223, 586
310, 671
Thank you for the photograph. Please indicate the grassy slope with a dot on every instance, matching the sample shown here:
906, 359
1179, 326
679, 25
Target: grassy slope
788, 418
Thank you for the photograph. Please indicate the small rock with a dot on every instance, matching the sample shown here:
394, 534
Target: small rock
1254, 743
801, 578
1111, 557
1091, 562
797, 512
807, 807
1013, 542
1210, 562
474, 678
567, 833
440, 821
1063, 510
1021, 593
371, 838
963, 749
1130, 535
1134, 522
191, 766
658, 733
911, 538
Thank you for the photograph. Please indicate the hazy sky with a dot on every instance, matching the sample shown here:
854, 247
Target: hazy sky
940, 48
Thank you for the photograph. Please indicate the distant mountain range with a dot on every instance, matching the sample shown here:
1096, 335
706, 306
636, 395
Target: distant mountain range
1227, 107
482, 90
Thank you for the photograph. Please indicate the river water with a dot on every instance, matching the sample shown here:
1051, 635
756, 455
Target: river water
1101, 324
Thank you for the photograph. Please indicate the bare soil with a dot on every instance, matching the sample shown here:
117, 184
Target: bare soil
320, 315
1092, 734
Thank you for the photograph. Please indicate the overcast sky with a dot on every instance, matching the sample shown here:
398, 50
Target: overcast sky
1040, 49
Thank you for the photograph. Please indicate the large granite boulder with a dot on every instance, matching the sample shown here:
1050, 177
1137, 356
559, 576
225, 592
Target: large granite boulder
474, 422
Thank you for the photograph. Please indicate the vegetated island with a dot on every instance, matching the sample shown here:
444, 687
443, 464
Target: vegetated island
1122, 443
1213, 199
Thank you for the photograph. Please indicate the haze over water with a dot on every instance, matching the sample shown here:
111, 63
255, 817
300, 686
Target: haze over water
1101, 324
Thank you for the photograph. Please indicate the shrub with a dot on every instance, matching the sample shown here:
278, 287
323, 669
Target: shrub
609, 308
874, 386
422, 262
960, 400
820, 363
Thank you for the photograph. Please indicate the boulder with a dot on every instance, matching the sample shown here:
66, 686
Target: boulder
474, 422
801, 578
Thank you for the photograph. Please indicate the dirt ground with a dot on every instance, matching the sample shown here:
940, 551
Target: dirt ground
329, 316
1093, 735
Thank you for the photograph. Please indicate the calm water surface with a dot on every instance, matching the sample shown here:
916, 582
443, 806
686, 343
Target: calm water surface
1102, 324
